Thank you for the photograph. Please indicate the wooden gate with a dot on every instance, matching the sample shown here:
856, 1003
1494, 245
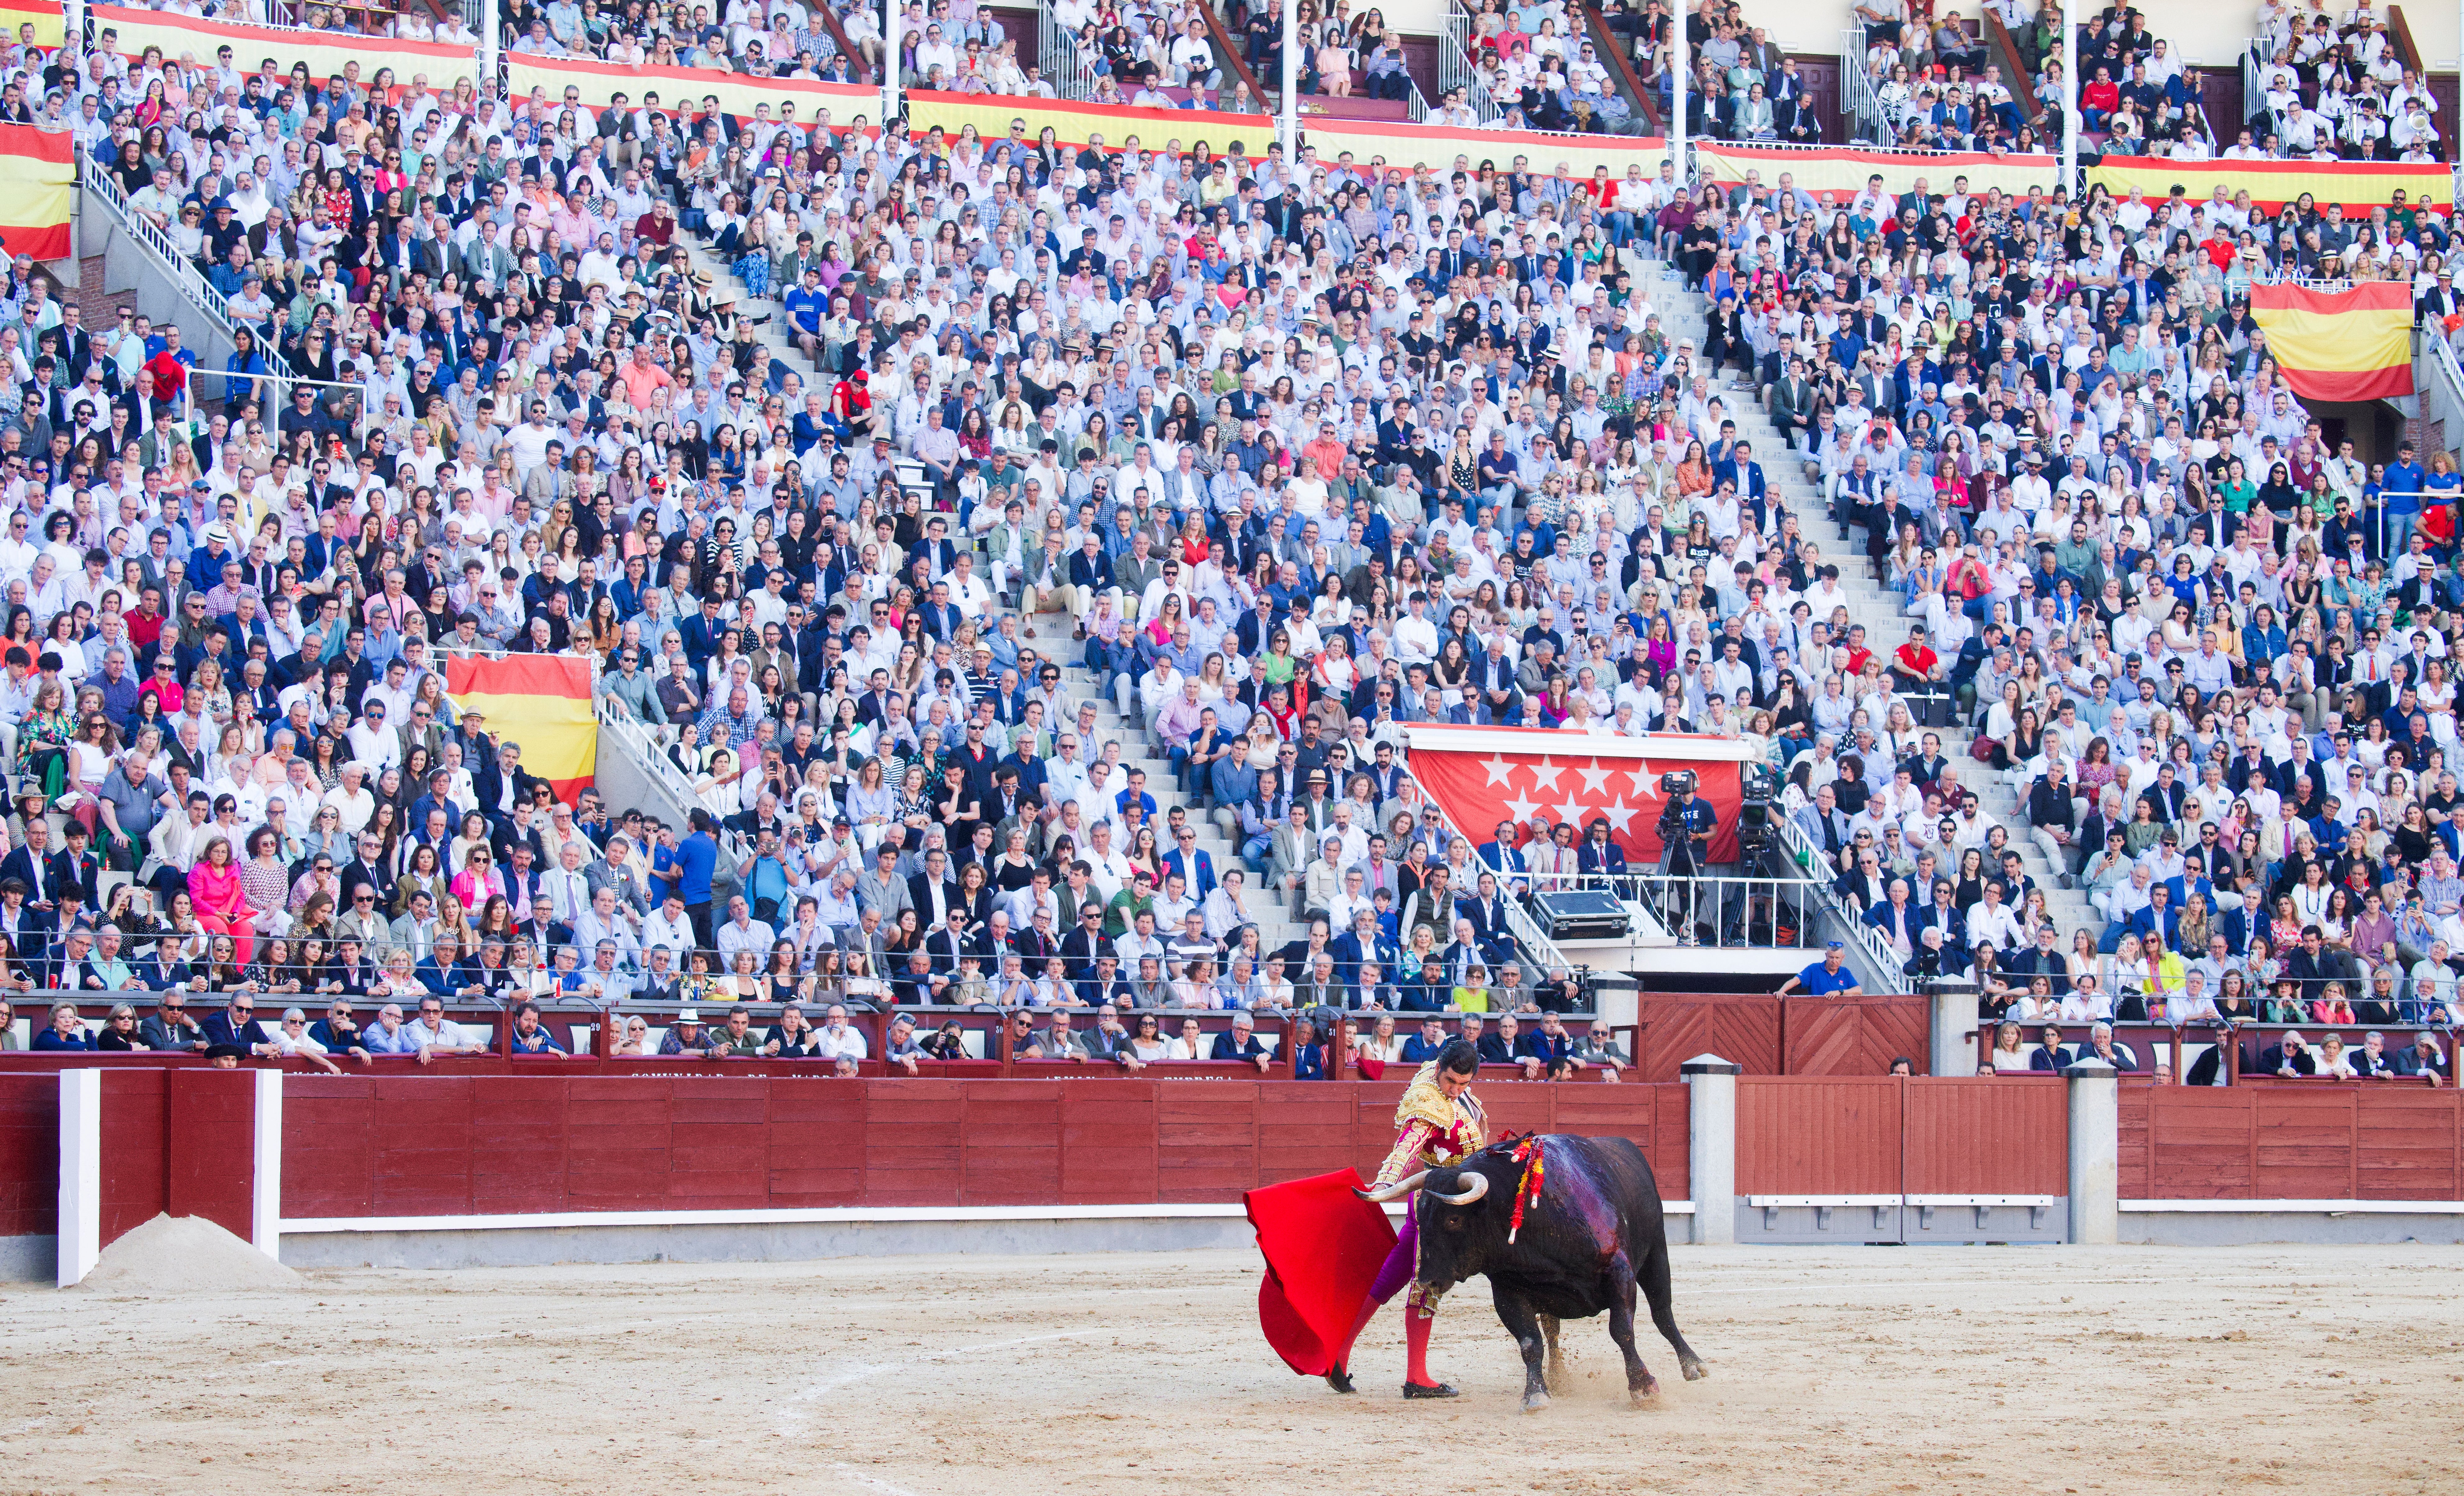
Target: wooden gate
1855, 1035
1741, 1027
1881, 1158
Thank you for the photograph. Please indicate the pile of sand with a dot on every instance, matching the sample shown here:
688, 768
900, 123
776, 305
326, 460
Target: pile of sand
185, 1254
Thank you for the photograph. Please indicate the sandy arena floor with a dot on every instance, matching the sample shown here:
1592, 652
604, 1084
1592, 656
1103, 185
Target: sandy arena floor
1928, 1370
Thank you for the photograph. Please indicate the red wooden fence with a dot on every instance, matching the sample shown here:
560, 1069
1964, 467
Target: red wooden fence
1891, 1135
2259, 1142
495, 1144
1854, 1036
30, 1154
1783, 1036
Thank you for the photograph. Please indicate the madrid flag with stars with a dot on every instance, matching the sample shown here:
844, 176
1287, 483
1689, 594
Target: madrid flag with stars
1484, 775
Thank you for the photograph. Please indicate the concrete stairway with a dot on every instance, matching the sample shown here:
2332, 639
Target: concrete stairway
1682, 315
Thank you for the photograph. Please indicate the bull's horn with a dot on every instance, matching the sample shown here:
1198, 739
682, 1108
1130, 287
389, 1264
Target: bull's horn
1475, 1188
1395, 1191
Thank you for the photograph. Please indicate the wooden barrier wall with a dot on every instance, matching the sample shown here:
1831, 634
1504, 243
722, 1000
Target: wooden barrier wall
490, 1144
1900, 1136
2373, 1141
1783, 1036
30, 1154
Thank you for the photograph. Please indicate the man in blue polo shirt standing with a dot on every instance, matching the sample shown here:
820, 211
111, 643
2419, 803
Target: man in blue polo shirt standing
685, 869
1826, 977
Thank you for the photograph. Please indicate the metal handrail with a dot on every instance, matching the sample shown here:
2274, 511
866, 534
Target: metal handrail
1455, 69
1681, 901
1064, 65
1801, 849
1526, 931
645, 748
193, 285
1864, 104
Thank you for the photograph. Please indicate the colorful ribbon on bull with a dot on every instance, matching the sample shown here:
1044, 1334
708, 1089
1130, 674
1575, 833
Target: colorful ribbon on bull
1535, 1171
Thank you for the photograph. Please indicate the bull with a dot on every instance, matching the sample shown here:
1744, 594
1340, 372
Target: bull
1597, 1232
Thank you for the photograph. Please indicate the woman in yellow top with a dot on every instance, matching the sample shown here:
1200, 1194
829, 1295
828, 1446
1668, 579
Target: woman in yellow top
1472, 997
1439, 1123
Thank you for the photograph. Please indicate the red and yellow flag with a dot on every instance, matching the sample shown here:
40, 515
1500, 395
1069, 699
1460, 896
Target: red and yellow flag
49, 21
37, 179
2340, 345
538, 701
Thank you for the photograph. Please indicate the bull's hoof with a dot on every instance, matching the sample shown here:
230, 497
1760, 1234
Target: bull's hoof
1534, 1402
1339, 1378
1695, 1370
1414, 1390
1646, 1395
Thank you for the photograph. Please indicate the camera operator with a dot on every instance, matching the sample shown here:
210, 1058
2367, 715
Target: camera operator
1685, 826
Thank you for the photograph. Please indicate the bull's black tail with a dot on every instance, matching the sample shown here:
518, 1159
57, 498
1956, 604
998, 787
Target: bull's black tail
1658, 1293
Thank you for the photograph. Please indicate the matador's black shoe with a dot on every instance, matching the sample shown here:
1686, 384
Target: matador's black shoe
1412, 1390
1339, 1378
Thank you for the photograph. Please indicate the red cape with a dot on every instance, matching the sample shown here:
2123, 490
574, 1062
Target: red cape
1323, 1246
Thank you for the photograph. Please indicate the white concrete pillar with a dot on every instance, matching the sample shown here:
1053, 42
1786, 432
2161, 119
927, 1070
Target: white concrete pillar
1954, 1030
2096, 1153
80, 1196
1711, 1147
265, 1197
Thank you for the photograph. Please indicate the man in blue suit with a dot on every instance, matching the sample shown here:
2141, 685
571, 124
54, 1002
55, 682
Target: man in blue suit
1195, 865
1241, 1042
2158, 918
236, 1024
1506, 859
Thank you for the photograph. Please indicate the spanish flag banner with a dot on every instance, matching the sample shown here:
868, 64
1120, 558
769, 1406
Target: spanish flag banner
2359, 185
46, 20
1072, 122
37, 183
682, 90
1403, 147
327, 54
538, 701
1843, 173
2340, 345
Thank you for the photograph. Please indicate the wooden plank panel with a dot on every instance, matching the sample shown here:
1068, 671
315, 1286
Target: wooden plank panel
1671, 1158
2304, 1143
1675, 1032
1814, 1135
135, 1148
2132, 1126
1303, 1129
1011, 1143
910, 1142
30, 1154
1899, 1028
1988, 1136
1824, 1038
2405, 1143
1206, 1142
2200, 1143
210, 1163
1747, 1030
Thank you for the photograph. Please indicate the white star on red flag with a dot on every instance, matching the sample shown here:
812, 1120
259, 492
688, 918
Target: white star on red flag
1499, 771
1544, 774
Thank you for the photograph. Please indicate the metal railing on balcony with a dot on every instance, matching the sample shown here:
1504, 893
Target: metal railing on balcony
1772, 909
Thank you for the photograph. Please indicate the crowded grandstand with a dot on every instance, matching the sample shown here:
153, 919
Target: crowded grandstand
1029, 557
